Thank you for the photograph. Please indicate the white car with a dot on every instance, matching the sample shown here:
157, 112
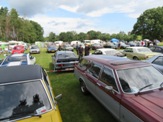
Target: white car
108, 51
18, 59
34, 49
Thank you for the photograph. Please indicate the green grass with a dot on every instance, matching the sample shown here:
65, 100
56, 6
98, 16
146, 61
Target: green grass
74, 106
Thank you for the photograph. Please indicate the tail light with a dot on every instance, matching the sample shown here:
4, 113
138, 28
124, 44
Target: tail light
60, 65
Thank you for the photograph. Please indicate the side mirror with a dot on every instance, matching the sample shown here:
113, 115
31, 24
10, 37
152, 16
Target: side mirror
109, 88
58, 97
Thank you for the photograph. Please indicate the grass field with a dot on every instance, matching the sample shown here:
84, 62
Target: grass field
74, 106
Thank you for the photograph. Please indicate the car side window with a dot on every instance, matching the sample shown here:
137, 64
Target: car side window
95, 69
84, 64
107, 77
128, 50
158, 61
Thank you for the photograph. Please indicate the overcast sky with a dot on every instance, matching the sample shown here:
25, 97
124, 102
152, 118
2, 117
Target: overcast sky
106, 16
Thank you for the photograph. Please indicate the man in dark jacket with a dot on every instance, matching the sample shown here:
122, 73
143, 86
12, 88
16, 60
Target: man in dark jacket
87, 50
80, 52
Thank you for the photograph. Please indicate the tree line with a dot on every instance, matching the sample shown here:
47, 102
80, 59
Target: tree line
149, 25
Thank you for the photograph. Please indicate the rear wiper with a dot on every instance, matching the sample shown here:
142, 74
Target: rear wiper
144, 88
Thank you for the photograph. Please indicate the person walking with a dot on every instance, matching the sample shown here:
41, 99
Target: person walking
87, 50
80, 52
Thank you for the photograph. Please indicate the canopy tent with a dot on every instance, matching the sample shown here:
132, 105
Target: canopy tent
114, 40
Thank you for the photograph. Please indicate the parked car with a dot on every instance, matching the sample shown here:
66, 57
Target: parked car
26, 95
157, 61
52, 48
130, 90
34, 49
18, 59
110, 45
139, 53
18, 49
64, 61
67, 47
96, 46
108, 51
157, 49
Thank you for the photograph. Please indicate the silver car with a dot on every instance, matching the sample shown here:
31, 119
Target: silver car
64, 61
157, 61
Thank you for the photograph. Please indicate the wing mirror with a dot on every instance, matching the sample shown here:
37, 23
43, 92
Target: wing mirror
109, 88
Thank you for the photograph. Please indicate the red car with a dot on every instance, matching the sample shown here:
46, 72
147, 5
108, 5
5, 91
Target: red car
18, 49
131, 90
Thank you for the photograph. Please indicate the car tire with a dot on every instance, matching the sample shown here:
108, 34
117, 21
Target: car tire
135, 58
83, 88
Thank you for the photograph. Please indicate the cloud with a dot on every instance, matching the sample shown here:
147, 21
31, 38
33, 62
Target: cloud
57, 24
89, 8
83, 13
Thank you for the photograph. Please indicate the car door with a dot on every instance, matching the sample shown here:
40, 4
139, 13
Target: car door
92, 75
109, 98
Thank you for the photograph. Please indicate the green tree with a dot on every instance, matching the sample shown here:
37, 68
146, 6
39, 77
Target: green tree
150, 24
51, 37
38, 31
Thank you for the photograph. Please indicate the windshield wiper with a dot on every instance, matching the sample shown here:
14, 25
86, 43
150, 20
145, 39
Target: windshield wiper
144, 88
161, 85
20, 116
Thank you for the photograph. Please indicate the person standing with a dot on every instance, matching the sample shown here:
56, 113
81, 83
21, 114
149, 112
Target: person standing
80, 52
87, 50
77, 48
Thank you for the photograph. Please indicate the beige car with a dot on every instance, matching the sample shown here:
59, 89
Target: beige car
139, 53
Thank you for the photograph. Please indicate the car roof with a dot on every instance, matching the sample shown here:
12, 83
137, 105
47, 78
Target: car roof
116, 62
20, 73
61, 52
137, 47
105, 49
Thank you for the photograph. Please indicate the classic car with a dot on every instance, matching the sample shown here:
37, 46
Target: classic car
67, 47
34, 49
130, 90
64, 61
52, 48
18, 59
18, 49
96, 46
139, 53
157, 61
26, 95
108, 51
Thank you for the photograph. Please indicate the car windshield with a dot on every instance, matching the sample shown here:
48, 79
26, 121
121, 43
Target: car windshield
132, 80
34, 47
16, 58
66, 55
22, 99
144, 50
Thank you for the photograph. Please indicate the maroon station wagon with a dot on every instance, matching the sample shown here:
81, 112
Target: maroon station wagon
131, 90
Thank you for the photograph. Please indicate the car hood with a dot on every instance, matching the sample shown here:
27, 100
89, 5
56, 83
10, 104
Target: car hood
53, 116
151, 103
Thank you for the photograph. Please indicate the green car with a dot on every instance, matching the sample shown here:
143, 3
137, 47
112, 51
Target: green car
139, 53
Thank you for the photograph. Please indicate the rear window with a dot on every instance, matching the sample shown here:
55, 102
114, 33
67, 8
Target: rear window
66, 55
22, 99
